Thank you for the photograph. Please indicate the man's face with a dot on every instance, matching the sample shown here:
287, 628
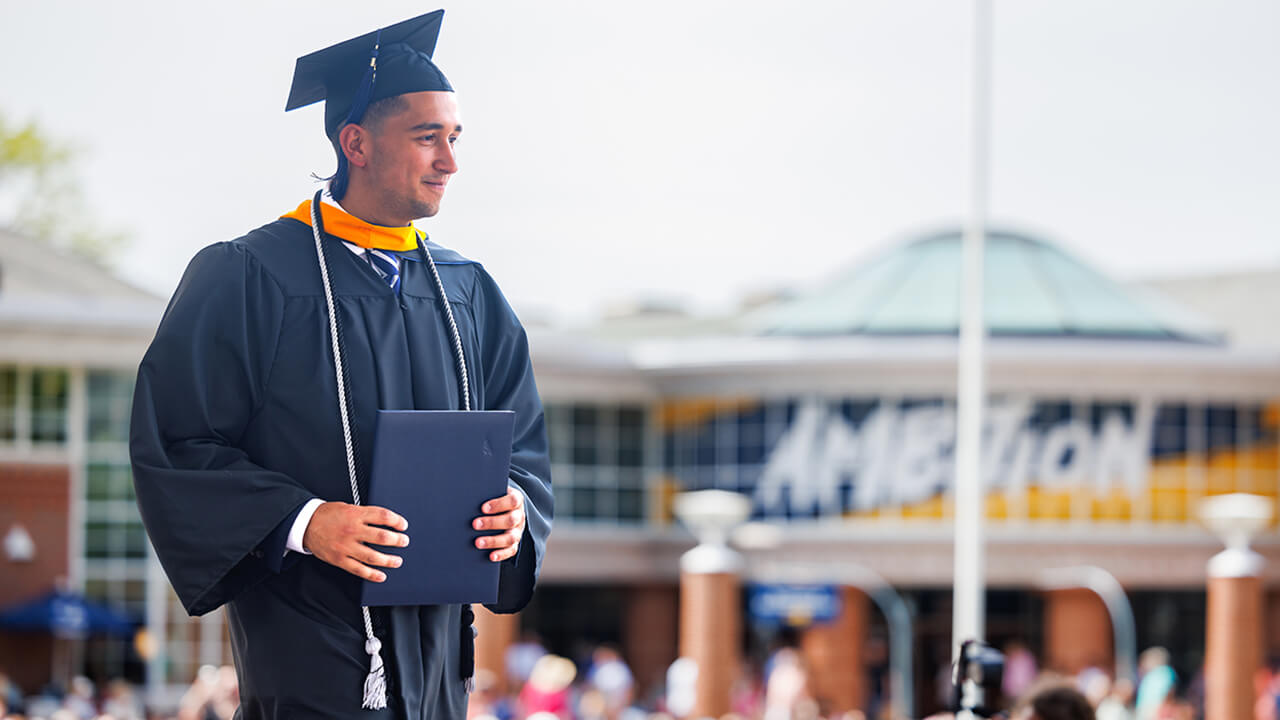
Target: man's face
411, 155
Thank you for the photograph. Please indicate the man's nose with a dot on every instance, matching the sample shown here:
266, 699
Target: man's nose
446, 160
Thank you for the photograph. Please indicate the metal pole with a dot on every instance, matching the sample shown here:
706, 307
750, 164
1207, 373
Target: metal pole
968, 605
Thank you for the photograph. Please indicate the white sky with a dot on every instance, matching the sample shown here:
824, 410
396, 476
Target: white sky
688, 150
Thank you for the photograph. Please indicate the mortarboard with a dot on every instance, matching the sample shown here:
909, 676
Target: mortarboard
349, 76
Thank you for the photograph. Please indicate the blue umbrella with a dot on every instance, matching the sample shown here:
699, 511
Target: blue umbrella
66, 614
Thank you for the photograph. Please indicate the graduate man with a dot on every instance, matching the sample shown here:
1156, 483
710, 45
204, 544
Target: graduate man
255, 405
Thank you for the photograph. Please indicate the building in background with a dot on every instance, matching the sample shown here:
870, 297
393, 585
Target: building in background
71, 336
833, 410
1111, 416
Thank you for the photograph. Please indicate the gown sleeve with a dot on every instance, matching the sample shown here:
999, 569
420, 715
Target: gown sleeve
207, 507
509, 385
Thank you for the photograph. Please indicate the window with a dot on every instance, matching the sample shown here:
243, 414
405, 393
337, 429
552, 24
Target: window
598, 461
115, 538
33, 405
49, 391
8, 404
115, 543
110, 403
108, 481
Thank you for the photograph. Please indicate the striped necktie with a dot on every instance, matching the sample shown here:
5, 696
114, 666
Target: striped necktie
387, 267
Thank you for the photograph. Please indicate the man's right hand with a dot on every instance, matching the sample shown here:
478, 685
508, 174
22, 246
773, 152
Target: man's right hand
341, 533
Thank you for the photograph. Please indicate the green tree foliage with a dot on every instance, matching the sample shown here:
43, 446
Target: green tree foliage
41, 197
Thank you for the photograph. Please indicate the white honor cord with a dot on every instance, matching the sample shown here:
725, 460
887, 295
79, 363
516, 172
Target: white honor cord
375, 686
458, 355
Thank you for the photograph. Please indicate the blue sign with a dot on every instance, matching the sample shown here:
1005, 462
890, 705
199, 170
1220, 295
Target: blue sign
793, 605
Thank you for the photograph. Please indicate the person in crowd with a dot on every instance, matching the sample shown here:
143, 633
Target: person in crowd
1267, 687
681, 686
611, 677
1053, 698
121, 702
80, 700
1156, 684
521, 657
787, 687
549, 689
10, 694
1020, 669
1114, 705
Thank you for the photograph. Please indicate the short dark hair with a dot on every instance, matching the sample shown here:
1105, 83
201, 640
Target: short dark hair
1060, 702
374, 115
379, 110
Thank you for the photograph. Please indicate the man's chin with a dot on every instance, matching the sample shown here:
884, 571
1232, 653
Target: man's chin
425, 210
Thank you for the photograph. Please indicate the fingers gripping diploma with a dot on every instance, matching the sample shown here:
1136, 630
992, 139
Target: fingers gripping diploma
505, 514
340, 534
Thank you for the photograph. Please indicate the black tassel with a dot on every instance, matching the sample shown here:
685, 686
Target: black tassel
467, 655
360, 103
338, 183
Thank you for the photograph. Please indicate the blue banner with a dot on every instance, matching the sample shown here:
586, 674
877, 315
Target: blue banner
793, 605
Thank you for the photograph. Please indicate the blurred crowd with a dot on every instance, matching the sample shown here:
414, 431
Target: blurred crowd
213, 695
599, 685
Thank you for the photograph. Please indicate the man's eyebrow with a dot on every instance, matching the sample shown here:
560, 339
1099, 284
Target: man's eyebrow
433, 126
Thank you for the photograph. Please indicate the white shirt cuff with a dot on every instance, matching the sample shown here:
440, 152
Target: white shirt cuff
299, 529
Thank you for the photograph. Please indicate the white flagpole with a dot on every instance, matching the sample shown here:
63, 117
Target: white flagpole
970, 582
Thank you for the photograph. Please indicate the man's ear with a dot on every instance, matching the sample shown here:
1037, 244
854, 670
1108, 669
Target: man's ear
354, 142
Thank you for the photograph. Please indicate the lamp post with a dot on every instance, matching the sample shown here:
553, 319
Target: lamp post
710, 590
1233, 650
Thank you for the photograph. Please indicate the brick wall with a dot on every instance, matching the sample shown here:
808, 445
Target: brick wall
39, 498
833, 654
649, 632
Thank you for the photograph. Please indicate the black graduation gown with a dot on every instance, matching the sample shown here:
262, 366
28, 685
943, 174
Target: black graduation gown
235, 426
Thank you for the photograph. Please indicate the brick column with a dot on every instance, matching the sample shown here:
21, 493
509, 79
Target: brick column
833, 655
1234, 628
1077, 631
711, 596
1233, 634
649, 633
710, 633
494, 634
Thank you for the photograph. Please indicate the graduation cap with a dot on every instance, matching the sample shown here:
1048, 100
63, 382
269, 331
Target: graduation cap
353, 74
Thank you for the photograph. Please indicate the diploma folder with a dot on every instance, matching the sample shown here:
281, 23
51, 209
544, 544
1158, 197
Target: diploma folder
436, 468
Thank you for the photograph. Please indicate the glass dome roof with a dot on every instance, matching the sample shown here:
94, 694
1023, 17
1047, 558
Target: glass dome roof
1032, 289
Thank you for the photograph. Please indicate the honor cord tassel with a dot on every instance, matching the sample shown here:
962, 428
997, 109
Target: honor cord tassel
375, 683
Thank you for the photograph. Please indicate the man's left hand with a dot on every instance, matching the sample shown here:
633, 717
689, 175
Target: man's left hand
506, 514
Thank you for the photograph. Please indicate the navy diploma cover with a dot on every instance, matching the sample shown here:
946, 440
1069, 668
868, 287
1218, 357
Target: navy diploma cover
436, 468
